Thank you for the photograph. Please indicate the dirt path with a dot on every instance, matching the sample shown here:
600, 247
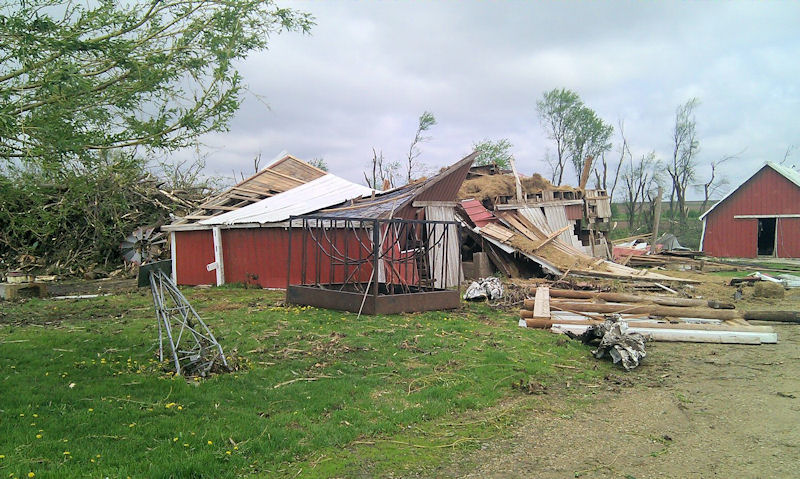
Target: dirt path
697, 410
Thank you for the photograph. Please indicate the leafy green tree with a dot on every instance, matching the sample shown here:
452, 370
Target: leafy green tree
556, 110
497, 152
588, 137
426, 122
576, 129
319, 163
81, 77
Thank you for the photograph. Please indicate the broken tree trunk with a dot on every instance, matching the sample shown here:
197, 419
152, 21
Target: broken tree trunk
679, 312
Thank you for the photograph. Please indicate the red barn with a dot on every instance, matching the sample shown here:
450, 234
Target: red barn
759, 218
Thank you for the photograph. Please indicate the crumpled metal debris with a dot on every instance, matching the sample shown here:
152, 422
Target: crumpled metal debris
484, 288
615, 341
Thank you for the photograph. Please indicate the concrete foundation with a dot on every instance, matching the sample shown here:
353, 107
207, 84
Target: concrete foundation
22, 290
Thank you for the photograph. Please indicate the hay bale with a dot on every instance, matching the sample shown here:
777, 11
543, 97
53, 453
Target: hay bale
768, 289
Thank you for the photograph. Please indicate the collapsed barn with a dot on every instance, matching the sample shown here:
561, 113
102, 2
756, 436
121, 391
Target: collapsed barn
525, 226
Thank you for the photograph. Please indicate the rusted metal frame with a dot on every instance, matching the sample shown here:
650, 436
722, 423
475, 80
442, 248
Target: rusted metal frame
376, 245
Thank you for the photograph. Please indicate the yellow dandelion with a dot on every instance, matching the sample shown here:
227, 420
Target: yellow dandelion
180, 408
35, 415
2, 456
210, 443
235, 448
228, 452
131, 424
66, 453
185, 445
174, 439
38, 436
98, 455
30, 474
91, 409
91, 460
169, 405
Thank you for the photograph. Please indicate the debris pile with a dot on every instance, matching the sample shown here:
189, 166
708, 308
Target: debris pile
615, 341
663, 318
485, 288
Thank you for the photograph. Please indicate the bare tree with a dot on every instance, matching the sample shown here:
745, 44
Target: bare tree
426, 121
682, 168
716, 181
601, 180
638, 178
788, 153
384, 173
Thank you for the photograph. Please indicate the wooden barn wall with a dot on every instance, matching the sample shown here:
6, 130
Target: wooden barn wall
193, 251
766, 193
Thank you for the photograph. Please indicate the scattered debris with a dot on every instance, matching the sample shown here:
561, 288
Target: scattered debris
529, 387
485, 288
624, 347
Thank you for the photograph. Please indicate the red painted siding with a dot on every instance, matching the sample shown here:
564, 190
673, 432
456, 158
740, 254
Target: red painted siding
193, 251
259, 256
574, 212
765, 193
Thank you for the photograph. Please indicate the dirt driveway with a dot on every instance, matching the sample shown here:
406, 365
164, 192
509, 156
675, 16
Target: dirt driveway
695, 411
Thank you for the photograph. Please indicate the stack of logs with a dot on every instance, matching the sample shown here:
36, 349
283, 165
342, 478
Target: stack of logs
663, 318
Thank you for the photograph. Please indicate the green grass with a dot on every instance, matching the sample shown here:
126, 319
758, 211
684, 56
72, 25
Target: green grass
81, 394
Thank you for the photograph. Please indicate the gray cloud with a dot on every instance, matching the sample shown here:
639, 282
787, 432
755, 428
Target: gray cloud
369, 69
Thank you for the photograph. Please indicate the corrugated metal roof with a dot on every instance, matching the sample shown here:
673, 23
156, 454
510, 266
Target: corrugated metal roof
477, 213
317, 194
441, 187
787, 173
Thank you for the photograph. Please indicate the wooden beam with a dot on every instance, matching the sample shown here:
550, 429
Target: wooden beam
551, 238
687, 335
671, 311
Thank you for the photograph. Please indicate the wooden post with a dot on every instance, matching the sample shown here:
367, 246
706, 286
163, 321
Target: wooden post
516, 180
656, 220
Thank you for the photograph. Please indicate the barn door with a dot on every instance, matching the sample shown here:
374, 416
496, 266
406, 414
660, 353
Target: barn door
766, 236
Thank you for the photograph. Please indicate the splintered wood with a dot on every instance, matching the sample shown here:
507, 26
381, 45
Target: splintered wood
662, 318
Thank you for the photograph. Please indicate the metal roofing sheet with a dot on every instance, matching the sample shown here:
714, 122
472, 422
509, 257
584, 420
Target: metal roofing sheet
477, 213
321, 193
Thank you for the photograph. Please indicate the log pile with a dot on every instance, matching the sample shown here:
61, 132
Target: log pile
662, 318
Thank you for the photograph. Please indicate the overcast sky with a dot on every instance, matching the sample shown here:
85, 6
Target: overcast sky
369, 69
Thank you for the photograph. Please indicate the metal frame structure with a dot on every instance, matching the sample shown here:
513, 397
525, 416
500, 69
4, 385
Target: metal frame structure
411, 259
195, 350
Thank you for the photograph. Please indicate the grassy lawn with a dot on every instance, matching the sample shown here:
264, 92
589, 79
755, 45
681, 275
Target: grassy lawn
321, 394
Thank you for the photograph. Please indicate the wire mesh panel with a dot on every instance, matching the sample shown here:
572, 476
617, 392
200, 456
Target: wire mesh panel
399, 255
